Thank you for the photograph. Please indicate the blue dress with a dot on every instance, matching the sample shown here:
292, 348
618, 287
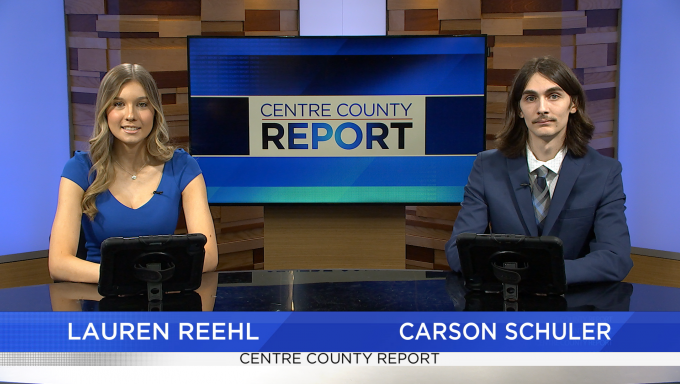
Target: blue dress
157, 217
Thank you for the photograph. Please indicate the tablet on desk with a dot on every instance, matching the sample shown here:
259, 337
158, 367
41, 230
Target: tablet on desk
128, 264
539, 260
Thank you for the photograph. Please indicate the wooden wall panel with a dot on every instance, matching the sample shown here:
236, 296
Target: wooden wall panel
216, 28
502, 26
461, 25
81, 23
599, 4
318, 238
554, 22
289, 20
116, 25
592, 55
179, 28
104, 33
87, 7
459, 9
272, 4
157, 60
260, 20
221, 10
603, 18
412, 4
154, 7
521, 6
421, 20
87, 42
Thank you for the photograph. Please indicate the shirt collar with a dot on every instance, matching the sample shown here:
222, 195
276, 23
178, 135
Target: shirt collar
553, 164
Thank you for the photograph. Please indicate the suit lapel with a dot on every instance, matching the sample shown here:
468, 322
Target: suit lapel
519, 174
571, 168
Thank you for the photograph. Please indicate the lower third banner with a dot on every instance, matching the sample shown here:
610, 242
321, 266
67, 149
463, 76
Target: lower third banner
340, 332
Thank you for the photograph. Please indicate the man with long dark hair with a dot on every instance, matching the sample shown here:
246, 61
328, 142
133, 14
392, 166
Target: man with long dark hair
544, 179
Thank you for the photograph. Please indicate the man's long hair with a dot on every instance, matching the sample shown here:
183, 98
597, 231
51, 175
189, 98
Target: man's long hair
513, 138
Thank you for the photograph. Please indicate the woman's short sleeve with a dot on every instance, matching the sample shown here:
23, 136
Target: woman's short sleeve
188, 167
77, 169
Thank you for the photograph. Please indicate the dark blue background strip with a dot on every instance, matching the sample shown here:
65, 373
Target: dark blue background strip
337, 66
336, 171
337, 45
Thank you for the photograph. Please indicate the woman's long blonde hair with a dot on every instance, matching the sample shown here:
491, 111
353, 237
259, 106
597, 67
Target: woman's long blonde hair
101, 142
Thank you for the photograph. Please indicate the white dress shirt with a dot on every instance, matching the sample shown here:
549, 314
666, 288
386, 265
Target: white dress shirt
553, 164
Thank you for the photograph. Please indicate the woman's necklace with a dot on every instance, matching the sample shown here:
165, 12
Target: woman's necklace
133, 175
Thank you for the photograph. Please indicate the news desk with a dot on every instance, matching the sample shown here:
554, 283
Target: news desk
341, 290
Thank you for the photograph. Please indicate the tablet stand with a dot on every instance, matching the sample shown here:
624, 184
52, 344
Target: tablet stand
154, 275
510, 274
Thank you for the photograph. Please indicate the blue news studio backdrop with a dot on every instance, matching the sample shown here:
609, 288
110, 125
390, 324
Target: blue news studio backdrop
449, 71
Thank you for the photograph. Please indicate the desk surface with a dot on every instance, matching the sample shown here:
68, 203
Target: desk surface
341, 290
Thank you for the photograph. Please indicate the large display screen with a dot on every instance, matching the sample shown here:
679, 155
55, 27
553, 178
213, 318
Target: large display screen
336, 119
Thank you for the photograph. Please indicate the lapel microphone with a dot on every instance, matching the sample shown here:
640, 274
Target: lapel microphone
157, 192
525, 185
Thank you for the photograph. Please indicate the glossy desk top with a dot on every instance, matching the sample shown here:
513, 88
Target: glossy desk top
341, 290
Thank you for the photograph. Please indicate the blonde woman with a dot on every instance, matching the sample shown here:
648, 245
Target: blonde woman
131, 183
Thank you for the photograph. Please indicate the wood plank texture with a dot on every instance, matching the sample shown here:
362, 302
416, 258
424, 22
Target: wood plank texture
421, 20
597, 38
599, 4
319, 237
259, 20
127, 26
87, 7
459, 9
221, 26
502, 27
234, 261
221, 10
142, 43
533, 41
157, 59
440, 261
240, 213
412, 4
654, 271
81, 23
154, 7
460, 25
271, 33
554, 22
179, 28
521, 6
289, 20
291, 5
24, 273
603, 18
600, 77
594, 55
87, 42
515, 57
396, 20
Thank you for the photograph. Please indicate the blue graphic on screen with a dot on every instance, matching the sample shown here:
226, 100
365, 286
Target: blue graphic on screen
447, 72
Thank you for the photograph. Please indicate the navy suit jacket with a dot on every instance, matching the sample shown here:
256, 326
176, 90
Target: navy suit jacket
586, 211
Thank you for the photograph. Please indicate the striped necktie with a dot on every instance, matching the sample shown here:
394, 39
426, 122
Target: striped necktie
541, 196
